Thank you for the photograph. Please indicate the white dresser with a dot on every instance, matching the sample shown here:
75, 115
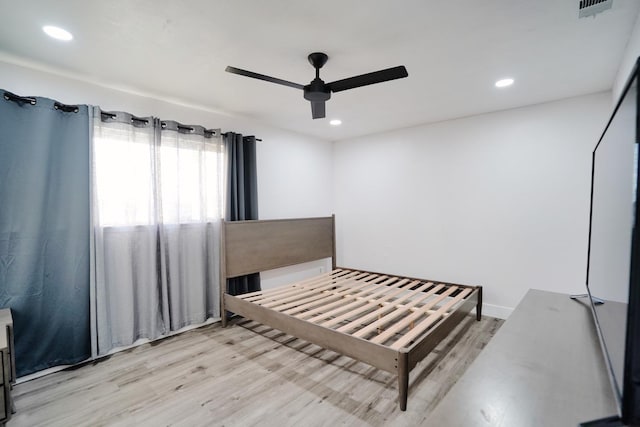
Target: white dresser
544, 367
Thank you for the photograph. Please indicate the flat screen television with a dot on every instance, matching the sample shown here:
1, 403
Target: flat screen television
613, 265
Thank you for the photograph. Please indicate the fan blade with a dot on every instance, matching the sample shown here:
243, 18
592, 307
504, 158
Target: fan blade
369, 79
251, 74
317, 109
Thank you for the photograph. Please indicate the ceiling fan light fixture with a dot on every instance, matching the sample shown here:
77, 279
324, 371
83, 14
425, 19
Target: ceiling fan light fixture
504, 82
335, 122
57, 33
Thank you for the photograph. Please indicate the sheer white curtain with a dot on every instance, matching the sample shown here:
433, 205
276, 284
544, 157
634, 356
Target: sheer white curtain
191, 166
157, 204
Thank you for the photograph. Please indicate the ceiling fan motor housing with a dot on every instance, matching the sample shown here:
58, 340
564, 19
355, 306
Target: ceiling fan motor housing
317, 90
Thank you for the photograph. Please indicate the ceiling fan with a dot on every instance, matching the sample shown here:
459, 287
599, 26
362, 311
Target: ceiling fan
318, 92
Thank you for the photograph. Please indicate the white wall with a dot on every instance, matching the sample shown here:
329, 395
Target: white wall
500, 200
631, 54
294, 171
294, 180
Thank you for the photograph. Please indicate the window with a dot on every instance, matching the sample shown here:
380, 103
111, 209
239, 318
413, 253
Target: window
145, 177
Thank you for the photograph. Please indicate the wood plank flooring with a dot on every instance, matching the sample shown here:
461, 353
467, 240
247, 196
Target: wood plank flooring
244, 375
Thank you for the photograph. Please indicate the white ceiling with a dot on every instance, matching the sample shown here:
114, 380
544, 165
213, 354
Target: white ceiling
454, 51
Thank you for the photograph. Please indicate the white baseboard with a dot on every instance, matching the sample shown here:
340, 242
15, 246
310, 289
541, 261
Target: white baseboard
498, 311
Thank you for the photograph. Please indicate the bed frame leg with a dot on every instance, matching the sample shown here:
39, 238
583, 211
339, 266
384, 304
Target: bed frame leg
223, 309
403, 379
479, 306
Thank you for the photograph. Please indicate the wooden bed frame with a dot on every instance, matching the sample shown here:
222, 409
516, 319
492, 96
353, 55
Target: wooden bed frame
387, 321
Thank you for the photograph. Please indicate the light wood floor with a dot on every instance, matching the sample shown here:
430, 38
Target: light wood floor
243, 375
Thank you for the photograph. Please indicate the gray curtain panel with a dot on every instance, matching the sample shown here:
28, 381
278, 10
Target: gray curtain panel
157, 205
242, 196
44, 230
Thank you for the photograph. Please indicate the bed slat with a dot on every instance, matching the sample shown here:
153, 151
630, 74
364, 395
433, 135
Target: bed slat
318, 294
368, 304
383, 305
307, 283
336, 296
341, 307
405, 322
301, 293
426, 323
395, 311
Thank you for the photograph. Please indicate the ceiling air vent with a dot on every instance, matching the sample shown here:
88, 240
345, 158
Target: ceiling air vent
593, 7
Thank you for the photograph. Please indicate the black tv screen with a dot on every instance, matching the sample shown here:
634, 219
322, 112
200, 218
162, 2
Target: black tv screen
613, 266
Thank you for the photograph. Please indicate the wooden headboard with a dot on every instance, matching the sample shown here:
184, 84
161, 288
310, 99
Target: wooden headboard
253, 246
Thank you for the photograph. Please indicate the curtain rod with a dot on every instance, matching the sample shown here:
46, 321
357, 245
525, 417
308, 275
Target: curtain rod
164, 124
13, 97
31, 100
66, 108
105, 114
226, 133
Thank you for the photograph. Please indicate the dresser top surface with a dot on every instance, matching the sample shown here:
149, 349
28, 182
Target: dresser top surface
543, 367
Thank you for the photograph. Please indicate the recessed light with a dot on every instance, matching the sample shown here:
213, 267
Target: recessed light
57, 33
504, 82
335, 122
